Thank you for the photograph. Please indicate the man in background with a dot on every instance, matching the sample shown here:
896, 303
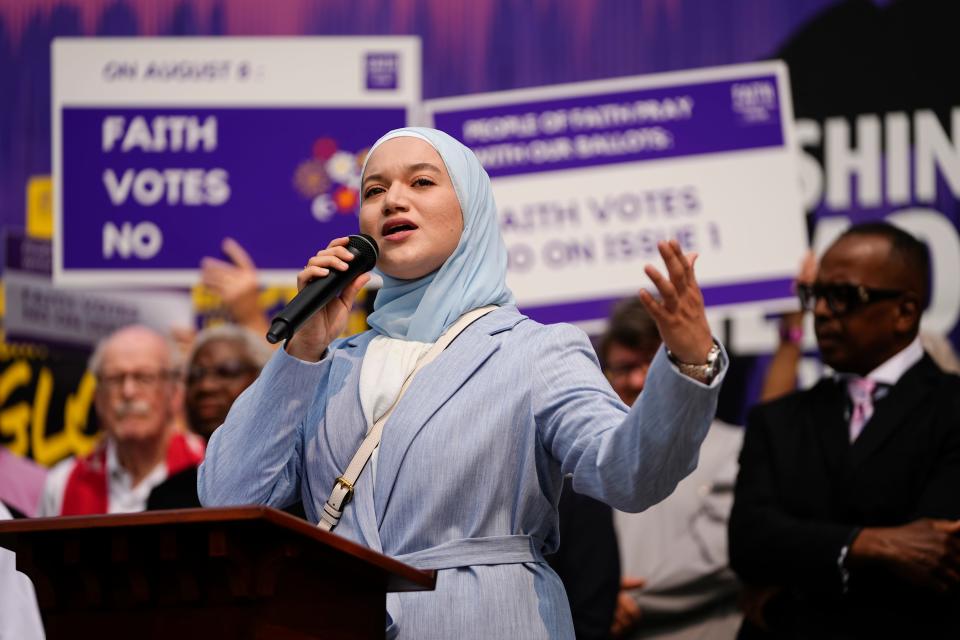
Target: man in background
137, 398
673, 556
845, 518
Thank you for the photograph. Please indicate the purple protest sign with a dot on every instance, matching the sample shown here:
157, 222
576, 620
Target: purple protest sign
164, 147
159, 188
626, 126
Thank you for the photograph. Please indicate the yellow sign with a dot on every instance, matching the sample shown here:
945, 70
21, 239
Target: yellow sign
40, 207
44, 410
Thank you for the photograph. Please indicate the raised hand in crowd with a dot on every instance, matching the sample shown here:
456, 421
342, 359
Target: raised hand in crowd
236, 283
781, 377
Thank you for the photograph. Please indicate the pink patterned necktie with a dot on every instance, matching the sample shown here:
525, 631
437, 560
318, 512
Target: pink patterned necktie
861, 394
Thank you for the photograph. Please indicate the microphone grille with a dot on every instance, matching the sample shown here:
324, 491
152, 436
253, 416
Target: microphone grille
365, 248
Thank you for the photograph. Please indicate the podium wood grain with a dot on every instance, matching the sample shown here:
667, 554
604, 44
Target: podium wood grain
247, 572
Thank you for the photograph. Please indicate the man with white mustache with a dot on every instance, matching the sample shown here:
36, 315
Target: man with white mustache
139, 392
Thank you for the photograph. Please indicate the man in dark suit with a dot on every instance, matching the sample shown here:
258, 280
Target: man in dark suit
844, 521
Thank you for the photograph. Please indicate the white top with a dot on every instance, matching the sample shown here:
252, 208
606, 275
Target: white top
893, 369
386, 366
122, 496
19, 615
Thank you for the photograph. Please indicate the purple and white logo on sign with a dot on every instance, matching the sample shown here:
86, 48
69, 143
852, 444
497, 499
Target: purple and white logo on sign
755, 101
383, 70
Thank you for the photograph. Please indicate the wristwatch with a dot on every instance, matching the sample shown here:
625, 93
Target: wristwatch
704, 373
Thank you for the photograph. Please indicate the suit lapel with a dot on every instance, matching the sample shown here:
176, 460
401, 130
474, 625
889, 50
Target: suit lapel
890, 413
430, 389
346, 428
828, 421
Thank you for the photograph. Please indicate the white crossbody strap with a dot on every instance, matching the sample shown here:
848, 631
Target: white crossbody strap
343, 486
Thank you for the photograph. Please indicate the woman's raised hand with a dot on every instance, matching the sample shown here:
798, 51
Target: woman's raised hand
316, 334
679, 313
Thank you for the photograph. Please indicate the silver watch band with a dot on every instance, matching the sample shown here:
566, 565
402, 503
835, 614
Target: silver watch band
704, 373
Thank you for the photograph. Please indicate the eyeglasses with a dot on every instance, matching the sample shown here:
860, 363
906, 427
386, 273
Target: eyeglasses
621, 371
223, 372
842, 297
141, 379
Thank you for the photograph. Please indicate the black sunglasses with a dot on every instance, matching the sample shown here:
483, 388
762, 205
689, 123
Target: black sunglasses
842, 297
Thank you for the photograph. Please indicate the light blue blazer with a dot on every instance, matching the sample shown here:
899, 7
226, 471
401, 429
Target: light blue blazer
470, 465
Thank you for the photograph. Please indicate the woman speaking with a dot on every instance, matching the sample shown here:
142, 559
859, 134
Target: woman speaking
446, 430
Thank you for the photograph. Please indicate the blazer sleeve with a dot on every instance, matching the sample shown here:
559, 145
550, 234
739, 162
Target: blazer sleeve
769, 545
255, 457
629, 459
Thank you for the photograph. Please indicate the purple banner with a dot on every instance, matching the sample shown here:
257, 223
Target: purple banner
713, 296
160, 188
628, 126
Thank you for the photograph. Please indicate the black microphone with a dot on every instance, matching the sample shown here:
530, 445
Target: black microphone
319, 292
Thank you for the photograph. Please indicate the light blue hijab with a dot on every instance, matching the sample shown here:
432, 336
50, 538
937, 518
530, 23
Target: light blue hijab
475, 273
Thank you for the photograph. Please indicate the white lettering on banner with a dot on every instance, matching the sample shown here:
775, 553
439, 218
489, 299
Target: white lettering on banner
754, 101
583, 146
554, 121
499, 128
148, 187
747, 95
142, 240
897, 144
630, 141
933, 152
862, 161
619, 115
811, 175
162, 133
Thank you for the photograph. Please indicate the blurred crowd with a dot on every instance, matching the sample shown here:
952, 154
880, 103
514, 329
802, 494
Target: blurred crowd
832, 513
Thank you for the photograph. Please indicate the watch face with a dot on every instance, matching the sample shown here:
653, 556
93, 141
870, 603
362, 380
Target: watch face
713, 354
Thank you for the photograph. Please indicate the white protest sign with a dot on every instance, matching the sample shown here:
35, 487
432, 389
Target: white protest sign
588, 177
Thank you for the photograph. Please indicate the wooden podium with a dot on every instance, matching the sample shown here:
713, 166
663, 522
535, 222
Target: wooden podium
249, 572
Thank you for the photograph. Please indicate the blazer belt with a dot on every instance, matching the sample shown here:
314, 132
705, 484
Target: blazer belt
467, 552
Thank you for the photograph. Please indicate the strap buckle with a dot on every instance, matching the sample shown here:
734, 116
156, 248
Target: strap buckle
347, 488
